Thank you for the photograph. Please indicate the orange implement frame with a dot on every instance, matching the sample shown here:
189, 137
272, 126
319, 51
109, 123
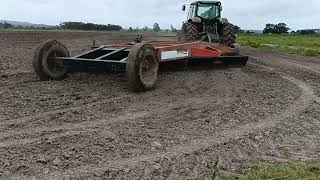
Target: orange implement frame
193, 49
115, 57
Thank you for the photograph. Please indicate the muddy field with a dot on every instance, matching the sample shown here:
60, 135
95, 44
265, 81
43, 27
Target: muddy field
92, 126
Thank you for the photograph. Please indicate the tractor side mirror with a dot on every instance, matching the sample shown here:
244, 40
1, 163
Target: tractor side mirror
221, 8
184, 8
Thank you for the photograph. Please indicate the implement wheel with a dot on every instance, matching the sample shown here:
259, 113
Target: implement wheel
44, 63
142, 67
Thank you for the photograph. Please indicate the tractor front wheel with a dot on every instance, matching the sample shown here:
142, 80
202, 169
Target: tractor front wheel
45, 63
142, 67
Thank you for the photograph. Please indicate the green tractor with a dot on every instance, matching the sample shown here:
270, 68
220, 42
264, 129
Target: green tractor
205, 24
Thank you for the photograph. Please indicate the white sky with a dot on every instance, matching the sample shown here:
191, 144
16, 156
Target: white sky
248, 14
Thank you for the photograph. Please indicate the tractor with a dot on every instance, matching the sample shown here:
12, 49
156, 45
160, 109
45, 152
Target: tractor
204, 23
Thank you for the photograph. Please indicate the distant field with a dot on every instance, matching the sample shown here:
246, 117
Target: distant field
71, 30
296, 44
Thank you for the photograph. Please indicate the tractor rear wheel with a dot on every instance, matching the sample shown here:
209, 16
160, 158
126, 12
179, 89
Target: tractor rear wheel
228, 34
44, 63
191, 31
142, 67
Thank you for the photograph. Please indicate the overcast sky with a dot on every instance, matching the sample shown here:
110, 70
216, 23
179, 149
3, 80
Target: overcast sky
248, 14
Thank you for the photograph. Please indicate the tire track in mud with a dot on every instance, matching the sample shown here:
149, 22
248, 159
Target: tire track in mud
89, 126
68, 130
290, 147
295, 60
315, 66
25, 83
15, 79
307, 98
312, 69
48, 113
74, 126
15, 73
316, 98
287, 60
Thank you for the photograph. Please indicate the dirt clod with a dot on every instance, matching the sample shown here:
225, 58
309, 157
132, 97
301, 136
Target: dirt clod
42, 159
156, 145
56, 162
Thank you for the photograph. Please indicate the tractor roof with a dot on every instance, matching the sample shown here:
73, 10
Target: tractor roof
208, 2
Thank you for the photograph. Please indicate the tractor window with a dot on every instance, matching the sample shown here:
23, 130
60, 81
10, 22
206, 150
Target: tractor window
208, 11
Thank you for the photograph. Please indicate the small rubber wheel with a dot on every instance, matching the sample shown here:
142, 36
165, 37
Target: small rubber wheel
44, 63
142, 67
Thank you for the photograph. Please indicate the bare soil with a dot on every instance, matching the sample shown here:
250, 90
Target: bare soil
90, 126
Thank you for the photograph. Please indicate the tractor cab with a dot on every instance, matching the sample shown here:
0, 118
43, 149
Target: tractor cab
204, 10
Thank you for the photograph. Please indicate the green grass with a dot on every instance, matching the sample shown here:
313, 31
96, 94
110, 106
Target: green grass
306, 45
291, 171
279, 172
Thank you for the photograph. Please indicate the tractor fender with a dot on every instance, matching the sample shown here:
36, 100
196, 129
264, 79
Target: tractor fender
196, 20
224, 20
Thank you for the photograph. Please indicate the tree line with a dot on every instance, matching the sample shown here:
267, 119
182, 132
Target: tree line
280, 28
6, 25
305, 31
90, 26
68, 25
156, 28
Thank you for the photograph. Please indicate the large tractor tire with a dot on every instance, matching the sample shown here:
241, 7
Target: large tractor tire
191, 32
142, 67
228, 34
44, 63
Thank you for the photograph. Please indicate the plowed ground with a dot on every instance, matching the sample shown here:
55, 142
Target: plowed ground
91, 126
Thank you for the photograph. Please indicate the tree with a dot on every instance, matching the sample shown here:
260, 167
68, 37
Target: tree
280, 28
130, 29
173, 29
156, 27
238, 29
7, 25
145, 28
269, 29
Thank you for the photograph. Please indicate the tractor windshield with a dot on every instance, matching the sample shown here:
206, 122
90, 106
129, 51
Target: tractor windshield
208, 11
